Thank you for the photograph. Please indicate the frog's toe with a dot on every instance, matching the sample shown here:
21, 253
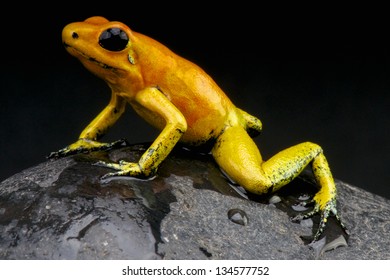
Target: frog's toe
303, 216
105, 146
116, 144
53, 155
61, 153
116, 166
328, 210
323, 220
321, 227
114, 174
120, 167
123, 168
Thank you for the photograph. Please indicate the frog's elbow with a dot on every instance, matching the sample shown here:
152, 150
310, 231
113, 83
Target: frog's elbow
178, 122
181, 125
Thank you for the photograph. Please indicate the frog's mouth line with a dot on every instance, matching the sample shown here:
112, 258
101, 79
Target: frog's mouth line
101, 64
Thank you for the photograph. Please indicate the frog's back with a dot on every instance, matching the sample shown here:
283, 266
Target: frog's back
202, 102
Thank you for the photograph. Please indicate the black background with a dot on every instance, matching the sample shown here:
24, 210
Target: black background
310, 74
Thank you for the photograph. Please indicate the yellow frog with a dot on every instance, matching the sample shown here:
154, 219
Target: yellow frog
180, 99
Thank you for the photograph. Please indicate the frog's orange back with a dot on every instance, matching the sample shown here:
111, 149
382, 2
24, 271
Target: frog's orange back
190, 88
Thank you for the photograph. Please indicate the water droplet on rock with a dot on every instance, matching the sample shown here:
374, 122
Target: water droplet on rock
304, 197
238, 216
275, 199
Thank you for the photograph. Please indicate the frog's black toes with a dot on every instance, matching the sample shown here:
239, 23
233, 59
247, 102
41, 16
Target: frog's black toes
306, 203
297, 218
108, 176
56, 155
100, 163
53, 155
108, 146
304, 216
321, 227
326, 212
114, 174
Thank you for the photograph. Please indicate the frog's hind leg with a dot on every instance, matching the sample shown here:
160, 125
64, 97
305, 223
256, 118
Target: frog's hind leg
237, 154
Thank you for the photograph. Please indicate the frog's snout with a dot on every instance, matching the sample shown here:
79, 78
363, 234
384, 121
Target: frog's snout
69, 33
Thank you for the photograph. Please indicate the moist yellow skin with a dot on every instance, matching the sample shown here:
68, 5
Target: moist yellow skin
180, 99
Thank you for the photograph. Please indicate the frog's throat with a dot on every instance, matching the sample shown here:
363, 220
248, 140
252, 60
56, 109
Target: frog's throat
94, 60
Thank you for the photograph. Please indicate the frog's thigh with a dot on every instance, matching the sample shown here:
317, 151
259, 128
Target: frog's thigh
237, 154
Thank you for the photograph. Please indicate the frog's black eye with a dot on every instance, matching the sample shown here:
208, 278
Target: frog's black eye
113, 39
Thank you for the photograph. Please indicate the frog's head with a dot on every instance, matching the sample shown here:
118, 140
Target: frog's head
104, 47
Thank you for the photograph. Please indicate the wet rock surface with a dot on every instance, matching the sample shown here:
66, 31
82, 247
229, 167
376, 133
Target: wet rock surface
61, 209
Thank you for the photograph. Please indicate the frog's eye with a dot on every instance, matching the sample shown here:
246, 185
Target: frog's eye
113, 39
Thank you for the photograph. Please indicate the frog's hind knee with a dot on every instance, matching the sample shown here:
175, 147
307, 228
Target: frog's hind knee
237, 154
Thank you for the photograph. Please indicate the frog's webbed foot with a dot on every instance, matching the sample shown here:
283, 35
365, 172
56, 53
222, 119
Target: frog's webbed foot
86, 146
330, 208
124, 169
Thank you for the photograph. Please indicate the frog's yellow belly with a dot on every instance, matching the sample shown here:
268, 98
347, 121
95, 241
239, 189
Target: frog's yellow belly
203, 130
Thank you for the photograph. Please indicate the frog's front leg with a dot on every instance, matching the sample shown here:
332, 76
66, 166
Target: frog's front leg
157, 104
239, 157
87, 141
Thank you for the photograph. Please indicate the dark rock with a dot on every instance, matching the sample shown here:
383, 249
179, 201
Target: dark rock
61, 209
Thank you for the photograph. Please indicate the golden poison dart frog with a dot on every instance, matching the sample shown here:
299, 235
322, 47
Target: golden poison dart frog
186, 105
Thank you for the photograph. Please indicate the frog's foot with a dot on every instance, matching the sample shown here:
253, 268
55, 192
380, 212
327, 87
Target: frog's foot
86, 146
328, 209
124, 169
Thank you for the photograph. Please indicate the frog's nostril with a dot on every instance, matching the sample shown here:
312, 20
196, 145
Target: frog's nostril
75, 35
